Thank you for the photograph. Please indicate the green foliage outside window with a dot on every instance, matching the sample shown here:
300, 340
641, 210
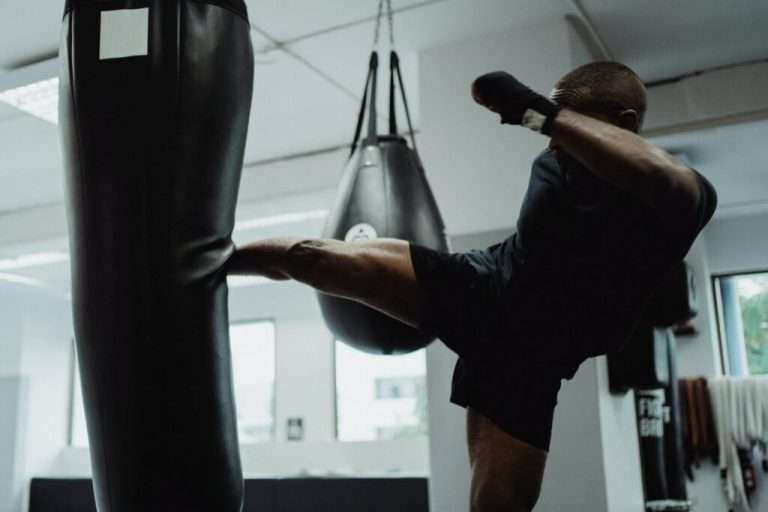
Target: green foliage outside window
754, 311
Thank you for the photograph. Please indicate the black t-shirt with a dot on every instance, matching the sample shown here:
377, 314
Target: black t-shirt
586, 257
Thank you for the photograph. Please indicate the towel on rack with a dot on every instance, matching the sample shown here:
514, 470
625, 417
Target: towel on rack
740, 406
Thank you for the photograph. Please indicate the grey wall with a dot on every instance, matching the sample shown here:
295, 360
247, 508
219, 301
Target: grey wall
478, 168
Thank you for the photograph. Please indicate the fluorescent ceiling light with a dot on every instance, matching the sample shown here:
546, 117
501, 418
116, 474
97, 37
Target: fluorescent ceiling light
284, 218
246, 281
26, 281
40, 99
34, 260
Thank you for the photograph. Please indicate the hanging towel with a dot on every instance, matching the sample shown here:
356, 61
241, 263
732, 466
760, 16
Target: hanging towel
741, 416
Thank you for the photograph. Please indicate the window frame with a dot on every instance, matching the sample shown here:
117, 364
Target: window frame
717, 293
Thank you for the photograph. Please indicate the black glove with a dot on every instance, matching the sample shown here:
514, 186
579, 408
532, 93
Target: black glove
502, 93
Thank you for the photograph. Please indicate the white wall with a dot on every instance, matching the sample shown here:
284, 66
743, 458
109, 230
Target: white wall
14, 392
34, 399
478, 168
727, 245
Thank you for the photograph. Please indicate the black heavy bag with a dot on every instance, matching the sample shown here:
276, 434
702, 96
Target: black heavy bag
154, 109
643, 362
673, 428
675, 299
650, 430
384, 193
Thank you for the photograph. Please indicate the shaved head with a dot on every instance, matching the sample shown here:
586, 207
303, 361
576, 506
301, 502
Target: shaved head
601, 87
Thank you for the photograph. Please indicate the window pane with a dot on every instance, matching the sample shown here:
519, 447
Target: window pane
380, 397
744, 299
253, 366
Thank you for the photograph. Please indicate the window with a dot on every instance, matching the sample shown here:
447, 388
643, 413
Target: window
380, 397
743, 315
253, 368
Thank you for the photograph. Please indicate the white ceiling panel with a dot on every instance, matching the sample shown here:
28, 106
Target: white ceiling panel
662, 39
289, 19
294, 110
734, 158
28, 29
344, 55
454, 20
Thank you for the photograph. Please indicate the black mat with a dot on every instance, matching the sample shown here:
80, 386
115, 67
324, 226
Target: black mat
266, 495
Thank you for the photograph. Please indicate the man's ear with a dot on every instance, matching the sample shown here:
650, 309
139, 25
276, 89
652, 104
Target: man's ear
630, 120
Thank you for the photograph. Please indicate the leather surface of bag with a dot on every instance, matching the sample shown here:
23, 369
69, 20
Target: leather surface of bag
384, 193
154, 109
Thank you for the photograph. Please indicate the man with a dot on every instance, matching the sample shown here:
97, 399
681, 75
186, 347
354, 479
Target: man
605, 216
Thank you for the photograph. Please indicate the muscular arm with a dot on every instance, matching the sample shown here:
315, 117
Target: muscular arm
628, 161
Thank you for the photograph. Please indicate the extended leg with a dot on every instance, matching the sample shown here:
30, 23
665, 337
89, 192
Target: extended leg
377, 273
506, 472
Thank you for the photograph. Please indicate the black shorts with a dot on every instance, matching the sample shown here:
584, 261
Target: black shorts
510, 368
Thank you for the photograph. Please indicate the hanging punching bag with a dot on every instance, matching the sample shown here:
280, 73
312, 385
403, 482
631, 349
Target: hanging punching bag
154, 108
384, 193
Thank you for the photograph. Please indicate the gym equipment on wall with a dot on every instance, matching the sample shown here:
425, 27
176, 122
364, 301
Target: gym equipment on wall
384, 193
154, 108
650, 430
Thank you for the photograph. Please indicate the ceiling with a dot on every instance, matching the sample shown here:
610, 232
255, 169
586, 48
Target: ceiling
733, 157
311, 58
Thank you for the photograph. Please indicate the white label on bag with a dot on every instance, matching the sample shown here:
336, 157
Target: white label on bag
124, 33
361, 232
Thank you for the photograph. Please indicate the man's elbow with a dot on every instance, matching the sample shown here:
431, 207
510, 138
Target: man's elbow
680, 192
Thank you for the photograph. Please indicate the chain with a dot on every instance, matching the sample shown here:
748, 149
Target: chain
390, 17
390, 21
378, 25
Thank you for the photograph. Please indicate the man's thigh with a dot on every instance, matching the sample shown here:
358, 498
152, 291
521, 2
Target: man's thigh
506, 472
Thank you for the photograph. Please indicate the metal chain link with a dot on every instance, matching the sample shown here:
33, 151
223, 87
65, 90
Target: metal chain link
378, 25
390, 20
390, 17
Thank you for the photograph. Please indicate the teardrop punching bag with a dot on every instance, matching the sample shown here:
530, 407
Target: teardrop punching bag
154, 108
384, 193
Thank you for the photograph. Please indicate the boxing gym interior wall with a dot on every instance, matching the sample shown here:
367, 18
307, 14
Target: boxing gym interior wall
323, 426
